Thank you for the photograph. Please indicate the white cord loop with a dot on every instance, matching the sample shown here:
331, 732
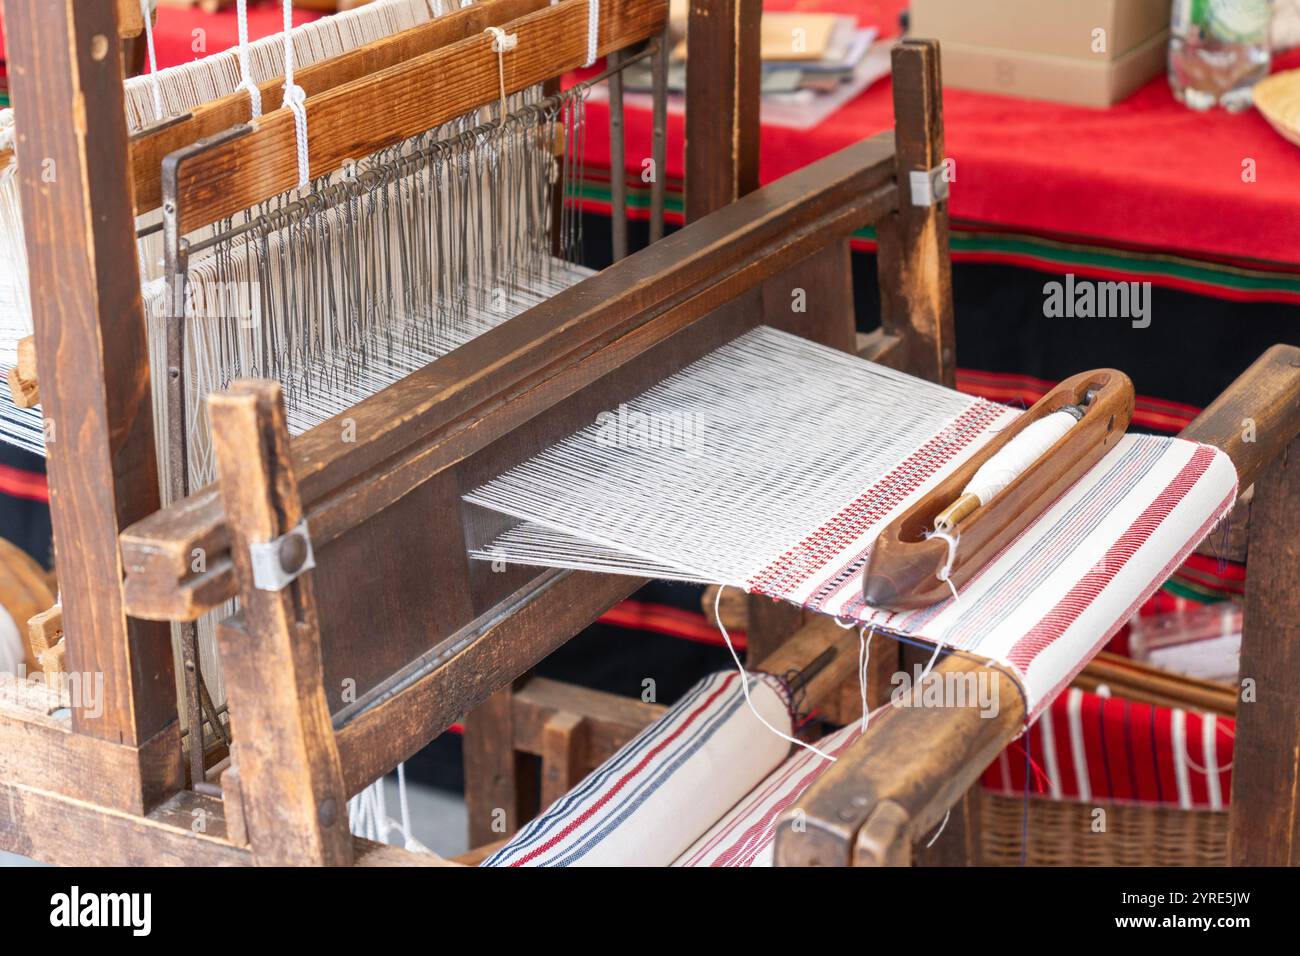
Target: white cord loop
502, 43
246, 79
295, 97
593, 30
744, 682
946, 571
154, 84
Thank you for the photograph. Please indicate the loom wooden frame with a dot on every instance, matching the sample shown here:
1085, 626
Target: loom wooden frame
108, 786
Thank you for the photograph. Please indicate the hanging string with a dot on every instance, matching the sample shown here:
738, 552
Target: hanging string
864, 659
153, 60
295, 97
246, 79
744, 681
939, 832
502, 43
593, 30
945, 573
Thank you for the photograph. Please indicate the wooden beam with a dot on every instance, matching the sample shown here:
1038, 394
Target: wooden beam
393, 722
1256, 417
458, 405
40, 750
148, 150
921, 759
722, 116
418, 95
295, 808
912, 245
1264, 822
65, 69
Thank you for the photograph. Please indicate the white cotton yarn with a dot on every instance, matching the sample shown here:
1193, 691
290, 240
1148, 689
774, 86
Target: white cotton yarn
1019, 454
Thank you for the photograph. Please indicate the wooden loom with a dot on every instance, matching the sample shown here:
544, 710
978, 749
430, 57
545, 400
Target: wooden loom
414, 632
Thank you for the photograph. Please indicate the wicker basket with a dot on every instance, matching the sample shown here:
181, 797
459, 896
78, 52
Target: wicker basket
1061, 834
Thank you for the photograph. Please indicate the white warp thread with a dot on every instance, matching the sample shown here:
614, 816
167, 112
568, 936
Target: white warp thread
693, 476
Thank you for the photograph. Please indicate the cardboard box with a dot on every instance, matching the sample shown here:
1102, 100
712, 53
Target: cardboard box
1062, 79
1062, 28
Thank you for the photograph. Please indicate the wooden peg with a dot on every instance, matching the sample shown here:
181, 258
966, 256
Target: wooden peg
22, 377
130, 19
45, 636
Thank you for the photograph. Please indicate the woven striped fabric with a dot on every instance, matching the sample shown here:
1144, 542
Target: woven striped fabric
1091, 748
654, 798
1053, 597
744, 836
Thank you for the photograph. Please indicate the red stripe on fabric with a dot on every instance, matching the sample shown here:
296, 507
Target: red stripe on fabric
1093, 744
1164, 748
17, 483
1119, 748
1145, 788
750, 844
673, 622
1224, 506
1086, 590
626, 778
796, 565
1198, 785
1065, 769
1225, 745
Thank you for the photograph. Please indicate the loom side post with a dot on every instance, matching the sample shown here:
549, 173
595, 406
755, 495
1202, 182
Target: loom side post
1256, 420
617, 159
659, 134
291, 777
722, 131
93, 362
912, 251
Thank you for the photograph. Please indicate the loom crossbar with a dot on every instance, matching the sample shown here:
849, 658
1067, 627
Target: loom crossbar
154, 143
418, 94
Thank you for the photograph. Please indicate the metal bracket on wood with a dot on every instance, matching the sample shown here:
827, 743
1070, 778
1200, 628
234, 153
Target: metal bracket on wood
278, 563
929, 186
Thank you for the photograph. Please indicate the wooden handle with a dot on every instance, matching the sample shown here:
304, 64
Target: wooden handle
905, 565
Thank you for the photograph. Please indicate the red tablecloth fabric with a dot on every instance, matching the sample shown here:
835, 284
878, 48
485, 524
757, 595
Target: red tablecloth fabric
1146, 172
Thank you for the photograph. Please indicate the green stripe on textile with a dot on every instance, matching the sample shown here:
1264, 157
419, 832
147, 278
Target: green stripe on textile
1232, 280
1189, 592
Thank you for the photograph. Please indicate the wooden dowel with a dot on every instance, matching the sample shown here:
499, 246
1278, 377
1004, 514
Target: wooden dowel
1144, 683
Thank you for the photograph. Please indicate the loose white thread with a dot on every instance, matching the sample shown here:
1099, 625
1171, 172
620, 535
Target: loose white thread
246, 80
295, 97
502, 43
940, 830
864, 658
155, 86
593, 30
744, 681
